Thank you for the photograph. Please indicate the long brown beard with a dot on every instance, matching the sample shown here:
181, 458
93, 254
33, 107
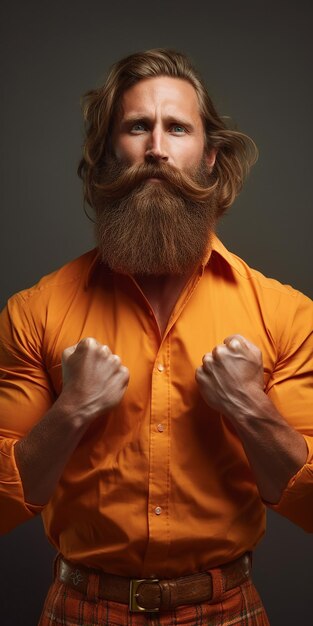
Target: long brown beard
154, 228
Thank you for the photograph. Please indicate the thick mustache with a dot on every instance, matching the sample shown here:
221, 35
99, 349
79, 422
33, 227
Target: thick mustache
127, 179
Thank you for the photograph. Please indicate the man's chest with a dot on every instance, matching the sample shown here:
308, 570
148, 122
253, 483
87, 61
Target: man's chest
129, 326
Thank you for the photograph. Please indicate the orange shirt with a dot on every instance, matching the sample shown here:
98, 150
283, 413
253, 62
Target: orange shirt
160, 485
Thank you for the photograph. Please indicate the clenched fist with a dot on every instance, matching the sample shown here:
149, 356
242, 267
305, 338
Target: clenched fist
231, 376
94, 380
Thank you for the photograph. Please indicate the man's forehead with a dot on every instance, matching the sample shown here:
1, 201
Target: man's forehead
172, 95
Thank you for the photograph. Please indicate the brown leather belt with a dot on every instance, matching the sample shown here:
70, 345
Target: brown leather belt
151, 594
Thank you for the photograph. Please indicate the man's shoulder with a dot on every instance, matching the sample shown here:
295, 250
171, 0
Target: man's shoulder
39, 310
53, 293
250, 276
73, 272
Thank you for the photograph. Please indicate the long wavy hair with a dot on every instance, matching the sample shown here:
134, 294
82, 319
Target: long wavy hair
236, 152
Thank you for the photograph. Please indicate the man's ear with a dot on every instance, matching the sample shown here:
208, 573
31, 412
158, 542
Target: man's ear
210, 158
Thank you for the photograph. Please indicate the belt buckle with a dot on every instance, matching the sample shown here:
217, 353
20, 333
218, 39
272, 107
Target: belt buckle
133, 595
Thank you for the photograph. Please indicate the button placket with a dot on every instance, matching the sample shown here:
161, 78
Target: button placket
159, 461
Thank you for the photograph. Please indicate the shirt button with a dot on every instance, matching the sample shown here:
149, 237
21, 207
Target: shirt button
160, 367
160, 428
158, 510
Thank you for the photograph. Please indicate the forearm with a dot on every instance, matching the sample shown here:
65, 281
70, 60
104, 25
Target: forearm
42, 455
231, 381
274, 449
94, 381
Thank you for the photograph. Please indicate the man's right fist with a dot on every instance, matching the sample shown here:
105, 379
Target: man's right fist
94, 380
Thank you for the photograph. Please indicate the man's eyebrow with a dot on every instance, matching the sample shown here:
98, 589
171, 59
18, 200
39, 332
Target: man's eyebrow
136, 117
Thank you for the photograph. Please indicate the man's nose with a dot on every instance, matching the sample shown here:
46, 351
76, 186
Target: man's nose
156, 148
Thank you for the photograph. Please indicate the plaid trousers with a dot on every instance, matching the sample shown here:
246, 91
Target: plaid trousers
240, 606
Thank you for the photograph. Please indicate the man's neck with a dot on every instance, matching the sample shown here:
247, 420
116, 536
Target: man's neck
162, 293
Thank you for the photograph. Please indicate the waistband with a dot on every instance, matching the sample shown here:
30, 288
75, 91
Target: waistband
152, 594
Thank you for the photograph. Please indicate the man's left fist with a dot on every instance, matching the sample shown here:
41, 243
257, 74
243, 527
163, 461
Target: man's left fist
231, 376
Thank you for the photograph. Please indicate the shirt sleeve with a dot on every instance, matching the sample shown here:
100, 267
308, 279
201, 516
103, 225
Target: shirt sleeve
25, 396
291, 390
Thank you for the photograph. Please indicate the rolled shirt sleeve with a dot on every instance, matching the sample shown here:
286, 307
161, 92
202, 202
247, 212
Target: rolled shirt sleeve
291, 390
14, 509
25, 396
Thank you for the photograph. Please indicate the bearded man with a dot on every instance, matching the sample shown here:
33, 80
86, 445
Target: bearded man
156, 391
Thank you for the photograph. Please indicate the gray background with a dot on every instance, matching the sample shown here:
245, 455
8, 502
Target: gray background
256, 58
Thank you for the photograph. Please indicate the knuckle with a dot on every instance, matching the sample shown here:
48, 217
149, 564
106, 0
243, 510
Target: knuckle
199, 373
207, 358
125, 372
218, 351
87, 342
115, 359
208, 364
235, 343
106, 350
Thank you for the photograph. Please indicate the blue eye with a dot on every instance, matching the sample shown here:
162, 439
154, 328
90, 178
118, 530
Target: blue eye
177, 128
138, 128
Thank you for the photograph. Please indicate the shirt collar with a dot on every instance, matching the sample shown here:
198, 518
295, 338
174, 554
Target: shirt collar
216, 247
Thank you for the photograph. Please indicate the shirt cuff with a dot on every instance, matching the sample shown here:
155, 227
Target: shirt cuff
14, 509
296, 500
